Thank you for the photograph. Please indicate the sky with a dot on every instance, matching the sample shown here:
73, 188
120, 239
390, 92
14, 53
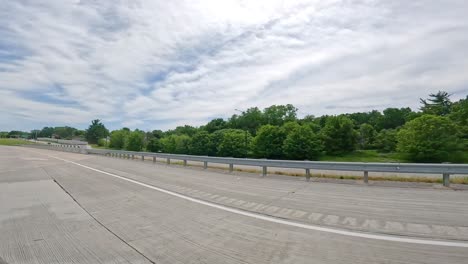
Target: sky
153, 64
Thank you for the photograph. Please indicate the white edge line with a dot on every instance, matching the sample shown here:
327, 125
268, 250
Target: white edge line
277, 220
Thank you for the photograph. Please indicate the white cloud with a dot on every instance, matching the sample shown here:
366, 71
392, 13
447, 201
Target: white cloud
157, 64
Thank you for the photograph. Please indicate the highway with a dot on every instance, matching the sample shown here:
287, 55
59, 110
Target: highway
58, 207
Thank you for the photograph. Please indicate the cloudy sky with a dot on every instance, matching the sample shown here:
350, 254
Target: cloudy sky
158, 64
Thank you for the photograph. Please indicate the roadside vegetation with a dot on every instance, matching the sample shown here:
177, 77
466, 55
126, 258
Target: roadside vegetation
14, 142
437, 132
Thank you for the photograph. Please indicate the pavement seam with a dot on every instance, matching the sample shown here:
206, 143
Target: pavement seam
99, 222
275, 219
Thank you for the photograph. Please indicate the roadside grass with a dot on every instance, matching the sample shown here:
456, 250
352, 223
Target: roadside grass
14, 142
96, 146
365, 156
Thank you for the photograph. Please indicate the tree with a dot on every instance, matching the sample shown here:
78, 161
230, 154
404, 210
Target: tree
339, 135
269, 142
302, 143
393, 118
46, 132
429, 138
385, 140
96, 131
177, 144
367, 135
439, 104
459, 115
249, 120
201, 143
135, 141
154, 145
279, 114
215, 124
118, 138
235, 143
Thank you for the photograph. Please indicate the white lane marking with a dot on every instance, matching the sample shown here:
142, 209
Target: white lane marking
277, 220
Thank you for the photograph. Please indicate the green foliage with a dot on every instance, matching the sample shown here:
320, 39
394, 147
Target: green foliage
3, 134
201, 143
135, 141
393, 118
250, 120
437, 104
215, 125
269, 142
154, 145
14, 142
429, 138
302, 143
102, 142
459, 115
277, 115
367, 135
96, 131
176, 144
234, 143
64, 132
118, 138
339, 135
385, 140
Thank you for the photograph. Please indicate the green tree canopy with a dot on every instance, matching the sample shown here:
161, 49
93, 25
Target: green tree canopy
154, 145
96, 131
339, 135
437, 104
269, 142
429, 138
135, 141
385, 140
279, 114
200, 143
118, 139
367, 135
234, 143
302, 143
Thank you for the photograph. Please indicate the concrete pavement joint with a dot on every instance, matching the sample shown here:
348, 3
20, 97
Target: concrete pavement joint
277, 220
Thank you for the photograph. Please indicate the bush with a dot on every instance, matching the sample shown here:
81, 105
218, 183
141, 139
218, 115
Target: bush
118, 138
429, 138
269, 142
386, 140
200, 143
176, 144
235, 143
154, 145
102, 142
135, 141
339, 135
302, 143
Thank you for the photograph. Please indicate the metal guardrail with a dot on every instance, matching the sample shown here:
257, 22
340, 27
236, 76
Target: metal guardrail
421, 168
63, 141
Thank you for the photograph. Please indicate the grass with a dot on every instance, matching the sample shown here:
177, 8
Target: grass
14, 142
96, 146
365, 156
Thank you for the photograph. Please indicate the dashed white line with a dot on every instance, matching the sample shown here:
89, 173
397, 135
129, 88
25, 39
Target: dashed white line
276, 220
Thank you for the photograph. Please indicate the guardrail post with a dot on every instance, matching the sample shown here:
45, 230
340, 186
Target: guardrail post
154, 159
142, 157
231, 167
446, 179
128, 156
133, 156
264, 173
205, 165
168, 161
307, 174
185, 162
366, 177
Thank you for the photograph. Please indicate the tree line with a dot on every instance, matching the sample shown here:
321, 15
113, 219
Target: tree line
438, 132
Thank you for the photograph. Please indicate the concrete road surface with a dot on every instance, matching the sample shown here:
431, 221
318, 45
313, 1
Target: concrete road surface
58, 207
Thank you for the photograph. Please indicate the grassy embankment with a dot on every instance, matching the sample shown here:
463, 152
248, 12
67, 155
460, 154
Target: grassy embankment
14, 142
